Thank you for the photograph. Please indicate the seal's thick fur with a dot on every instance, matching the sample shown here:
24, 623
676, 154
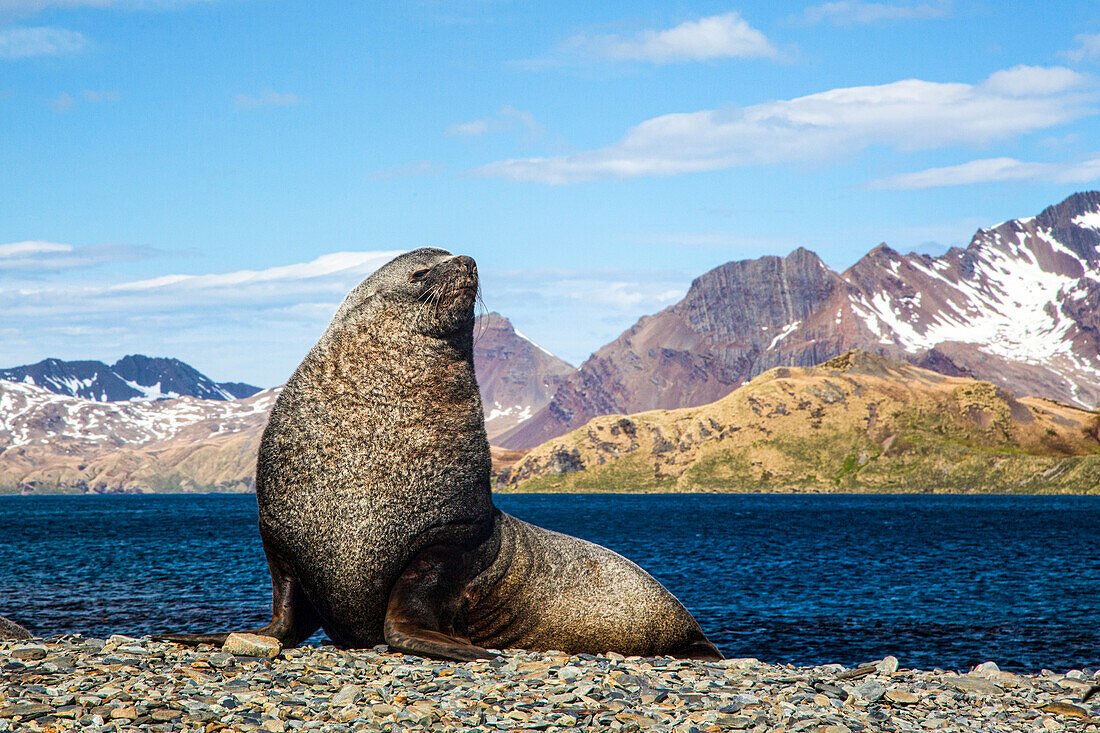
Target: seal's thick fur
373, 484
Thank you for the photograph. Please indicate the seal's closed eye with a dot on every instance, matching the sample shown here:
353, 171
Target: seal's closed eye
419, 274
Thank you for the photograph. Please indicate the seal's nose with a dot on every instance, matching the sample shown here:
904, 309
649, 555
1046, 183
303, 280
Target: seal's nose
467, 263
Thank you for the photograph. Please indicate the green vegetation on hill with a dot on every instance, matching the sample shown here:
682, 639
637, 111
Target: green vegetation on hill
858, 423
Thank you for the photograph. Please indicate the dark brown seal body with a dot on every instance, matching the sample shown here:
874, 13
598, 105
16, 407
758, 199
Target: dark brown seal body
373, 484
11, 631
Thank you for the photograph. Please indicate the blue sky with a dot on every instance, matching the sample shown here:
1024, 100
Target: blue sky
207, 179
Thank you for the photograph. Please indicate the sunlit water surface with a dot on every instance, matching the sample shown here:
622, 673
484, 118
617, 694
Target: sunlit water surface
947, 581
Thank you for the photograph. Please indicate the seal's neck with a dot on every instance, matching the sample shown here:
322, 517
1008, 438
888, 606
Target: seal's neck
390, 359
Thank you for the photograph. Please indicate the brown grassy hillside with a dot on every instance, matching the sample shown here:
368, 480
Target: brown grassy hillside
858, 423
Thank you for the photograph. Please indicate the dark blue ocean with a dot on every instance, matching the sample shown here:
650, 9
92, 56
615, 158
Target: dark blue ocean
947, 581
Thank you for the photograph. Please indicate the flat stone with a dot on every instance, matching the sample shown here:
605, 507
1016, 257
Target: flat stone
1065, 708
347, 695
975, 684
29, 653
163, 715
901, 697
870, 690
252, 645
220, 660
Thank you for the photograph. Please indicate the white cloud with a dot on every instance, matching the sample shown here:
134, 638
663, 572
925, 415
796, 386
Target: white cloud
473, 128
61, 103
239, 283
855, 12
507, 119
265, 99
97, 97
226, 318
43, 257
30, 249
906, 115
992, 169
590, 306
723, 36
409, 170
1088, 48
21, 43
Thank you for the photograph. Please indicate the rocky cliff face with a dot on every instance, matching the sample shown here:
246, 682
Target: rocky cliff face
516, 375
693, 352
1017, 307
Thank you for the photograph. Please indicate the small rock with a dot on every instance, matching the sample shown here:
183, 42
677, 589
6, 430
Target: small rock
1065, 708
887, 665
252, 645
273, 725
974, 684
901, 697
871, 690
220, 659
985, 669
29, 653
164, 715
346, 696
569, 673
125, 713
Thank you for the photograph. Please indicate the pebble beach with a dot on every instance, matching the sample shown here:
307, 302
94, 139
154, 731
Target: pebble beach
125, 684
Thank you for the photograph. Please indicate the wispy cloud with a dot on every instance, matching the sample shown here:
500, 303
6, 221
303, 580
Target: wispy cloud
97, 97
237, 285
36, 256
61, 103
265, 99
22, 43
507, 119
907, 115
276, 311
1088, 48
855, 12
992, 169
590, 306
221, 321
726, 36
409, 170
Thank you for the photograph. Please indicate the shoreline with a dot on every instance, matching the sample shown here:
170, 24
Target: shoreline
78, 683
573, 492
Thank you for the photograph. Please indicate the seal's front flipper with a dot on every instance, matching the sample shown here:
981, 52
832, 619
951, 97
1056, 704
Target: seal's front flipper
293, 618
425, 607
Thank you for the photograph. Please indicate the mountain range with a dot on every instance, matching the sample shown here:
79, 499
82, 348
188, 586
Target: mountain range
1017, 307
133, 377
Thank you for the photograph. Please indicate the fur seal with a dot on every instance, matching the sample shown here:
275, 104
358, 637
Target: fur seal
373, 485
11, 631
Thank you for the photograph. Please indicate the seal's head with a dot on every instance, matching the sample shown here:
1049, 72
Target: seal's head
433, 291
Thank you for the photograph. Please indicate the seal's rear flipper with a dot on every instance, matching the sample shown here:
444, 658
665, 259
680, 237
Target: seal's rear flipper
423, 606
701, 649
293, 618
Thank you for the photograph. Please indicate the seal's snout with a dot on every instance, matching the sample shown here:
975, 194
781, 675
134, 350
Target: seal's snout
467, 267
